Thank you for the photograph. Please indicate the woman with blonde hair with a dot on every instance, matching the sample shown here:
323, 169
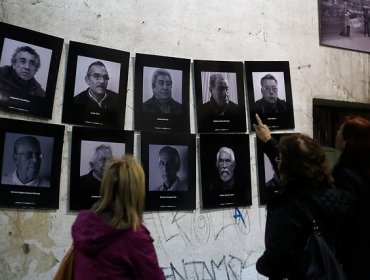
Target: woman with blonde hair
110, 240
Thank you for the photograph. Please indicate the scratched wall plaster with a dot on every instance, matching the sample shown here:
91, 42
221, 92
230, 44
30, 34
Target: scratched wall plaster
25, 244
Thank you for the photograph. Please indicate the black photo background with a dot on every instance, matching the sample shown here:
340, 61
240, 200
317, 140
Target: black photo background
91, 149
159, 199
30, 157
271, 98
267, 178
148, 115
211, 117
24, 94
235, 188
104, 123
78, 108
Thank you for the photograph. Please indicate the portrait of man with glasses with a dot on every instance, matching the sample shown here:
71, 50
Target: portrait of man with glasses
97, 96
270, 93
270, 105
27, 157
95, 86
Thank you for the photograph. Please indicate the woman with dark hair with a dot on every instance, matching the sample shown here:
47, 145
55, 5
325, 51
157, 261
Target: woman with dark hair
352, 173
306, 186
110, 241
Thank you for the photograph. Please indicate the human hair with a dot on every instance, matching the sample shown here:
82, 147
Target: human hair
158, 72
302, 158
226, 150
96, 63
29, 50
26, 141
214, 77
94, 156
356, 151
268, 77
171, 151
122, 192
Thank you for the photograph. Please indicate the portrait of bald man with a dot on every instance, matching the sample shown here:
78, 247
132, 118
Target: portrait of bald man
27, 157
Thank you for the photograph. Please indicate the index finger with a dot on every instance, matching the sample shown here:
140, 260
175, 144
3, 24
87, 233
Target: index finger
259, 122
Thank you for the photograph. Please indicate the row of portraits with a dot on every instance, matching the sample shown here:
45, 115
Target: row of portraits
31, 156
95, 87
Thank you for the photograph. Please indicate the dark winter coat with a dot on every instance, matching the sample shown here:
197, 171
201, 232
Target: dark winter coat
155, 107
354, 240
12, 85
288, 227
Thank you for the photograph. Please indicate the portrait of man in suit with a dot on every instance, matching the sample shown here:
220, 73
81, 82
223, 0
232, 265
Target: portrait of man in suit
169, 164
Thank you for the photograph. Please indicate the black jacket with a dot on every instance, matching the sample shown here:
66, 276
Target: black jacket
12, 85
288, 227
153, 106
265, 108
354, 240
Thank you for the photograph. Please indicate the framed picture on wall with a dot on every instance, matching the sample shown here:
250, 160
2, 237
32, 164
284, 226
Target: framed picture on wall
29, 65
30, 162
169, 162
268, 181
91, 149
327, 117
95, 86
219, 95
270, 93
225, 170
345, 24
161, 98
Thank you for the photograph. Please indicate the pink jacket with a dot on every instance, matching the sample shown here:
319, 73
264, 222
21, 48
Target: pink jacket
104, 252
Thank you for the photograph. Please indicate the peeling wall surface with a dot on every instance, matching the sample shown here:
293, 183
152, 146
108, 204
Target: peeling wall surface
198, 244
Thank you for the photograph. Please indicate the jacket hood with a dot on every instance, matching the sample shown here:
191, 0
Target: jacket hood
91, 233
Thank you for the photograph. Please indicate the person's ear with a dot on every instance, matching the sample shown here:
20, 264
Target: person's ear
87, 79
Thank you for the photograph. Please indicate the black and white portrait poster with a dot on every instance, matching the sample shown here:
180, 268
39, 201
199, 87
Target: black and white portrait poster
169, 164
270, 93
29, 65
92, 148
30, 155
95, 86
268, 179
345, 24
161, 95
220, 98
225, 170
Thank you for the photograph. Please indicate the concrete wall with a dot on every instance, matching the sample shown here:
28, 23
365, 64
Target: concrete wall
198, 244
